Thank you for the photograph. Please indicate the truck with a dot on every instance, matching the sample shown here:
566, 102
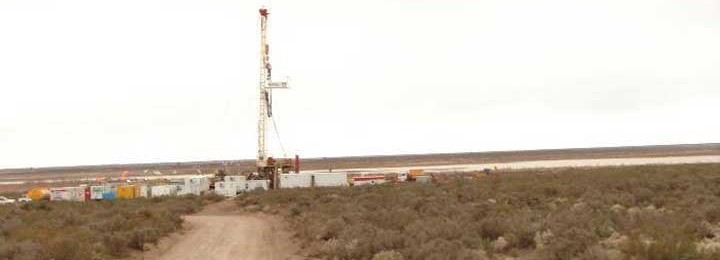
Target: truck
5, 200
414, 175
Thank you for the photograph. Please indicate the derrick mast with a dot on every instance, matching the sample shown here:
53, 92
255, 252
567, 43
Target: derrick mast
267, 166
264, 96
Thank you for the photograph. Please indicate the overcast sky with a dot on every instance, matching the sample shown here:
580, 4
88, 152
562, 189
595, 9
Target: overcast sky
90, 82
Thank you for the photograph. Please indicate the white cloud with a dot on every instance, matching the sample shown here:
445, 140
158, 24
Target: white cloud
84, 82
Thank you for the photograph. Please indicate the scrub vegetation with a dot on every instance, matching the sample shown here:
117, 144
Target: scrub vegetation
643, 212
91, 230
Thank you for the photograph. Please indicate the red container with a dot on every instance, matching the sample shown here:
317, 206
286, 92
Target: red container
87, 194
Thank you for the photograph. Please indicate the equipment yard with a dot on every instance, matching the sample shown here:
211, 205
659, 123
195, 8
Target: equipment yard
149, 98
19, 180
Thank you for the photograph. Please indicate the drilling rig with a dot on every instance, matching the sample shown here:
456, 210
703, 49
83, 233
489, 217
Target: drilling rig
268, 167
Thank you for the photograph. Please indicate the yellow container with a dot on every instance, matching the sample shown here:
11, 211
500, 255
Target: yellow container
417, 172
136, 191
126, 192
38, 194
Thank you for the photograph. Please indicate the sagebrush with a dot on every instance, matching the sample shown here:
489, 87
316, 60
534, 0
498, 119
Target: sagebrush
643, 212
90, 230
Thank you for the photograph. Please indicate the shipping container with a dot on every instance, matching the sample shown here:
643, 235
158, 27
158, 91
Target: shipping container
144, 192
295, 180
87, 194
67, 194
59, 194
416, 172
330, 179
126, 192
96, 192
163, 190
109, 195
194, 185
227, 189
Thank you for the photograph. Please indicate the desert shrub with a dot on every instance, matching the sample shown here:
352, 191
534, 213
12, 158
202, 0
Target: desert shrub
561, 214
92, 230
388, 255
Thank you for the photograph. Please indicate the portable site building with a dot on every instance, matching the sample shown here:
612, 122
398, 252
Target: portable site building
144, 191
163, 190
128, 191
67, 194
110, 193
295, 180
227, 189
195, 185
330, 179
96, 192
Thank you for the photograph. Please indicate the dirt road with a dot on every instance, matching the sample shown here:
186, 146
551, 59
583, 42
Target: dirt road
218, 233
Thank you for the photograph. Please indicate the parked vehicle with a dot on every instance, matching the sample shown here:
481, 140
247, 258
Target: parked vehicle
24, 200
6, 200
414, 175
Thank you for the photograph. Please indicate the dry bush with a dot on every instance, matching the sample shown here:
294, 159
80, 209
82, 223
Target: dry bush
562, 214
92, 230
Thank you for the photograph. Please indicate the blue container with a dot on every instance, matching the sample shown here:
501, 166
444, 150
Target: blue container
109, 196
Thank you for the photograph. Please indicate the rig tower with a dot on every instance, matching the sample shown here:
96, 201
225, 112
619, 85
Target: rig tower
268, 167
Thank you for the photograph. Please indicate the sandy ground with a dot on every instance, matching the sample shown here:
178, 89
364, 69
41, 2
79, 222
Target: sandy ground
219, 233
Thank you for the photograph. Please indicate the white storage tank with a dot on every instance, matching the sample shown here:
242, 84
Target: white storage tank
330, 179
295, 180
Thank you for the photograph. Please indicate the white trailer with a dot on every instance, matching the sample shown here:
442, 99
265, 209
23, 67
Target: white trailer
163, 190
144, 191
96, 192
295, 180
59, 194
227, 189
330, 179
67, 194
